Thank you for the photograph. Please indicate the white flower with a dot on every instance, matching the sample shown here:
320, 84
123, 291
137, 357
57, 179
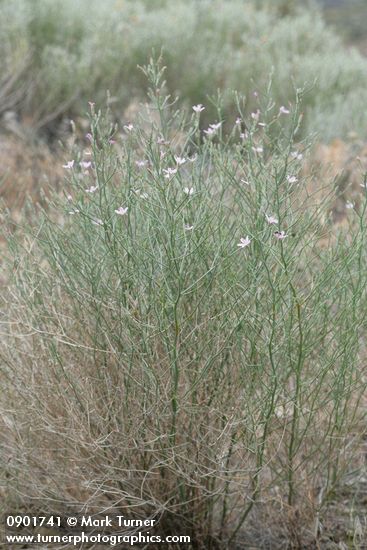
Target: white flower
68, 165
192, 159
75, 211
244, 135
121, 211
296, 155
256, 115
284, 111
212, 129
97, 221
364, 185
85, 164
198, 108
128, 127
69, 198
244, 241
292, 179
271, 220
169, 172
245, 181
188, 227
180, 160
140, 163
280, 235
262, 124
258, 149
92, 189
349, 205
238, 121
188, 190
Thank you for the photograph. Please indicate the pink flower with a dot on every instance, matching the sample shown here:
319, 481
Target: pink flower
280, 235
238, 121
121, 211
128, 127
180, 160
212, 129
169, 172
111, 141
256, 115
85, 164
271, 220
69, 165
198, 108
92, 189
283, 110
89, 137
244, 241
188, 190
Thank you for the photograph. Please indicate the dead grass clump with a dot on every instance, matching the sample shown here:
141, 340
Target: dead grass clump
26, 171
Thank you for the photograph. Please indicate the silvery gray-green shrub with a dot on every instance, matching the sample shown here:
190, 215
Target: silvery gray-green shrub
56, 56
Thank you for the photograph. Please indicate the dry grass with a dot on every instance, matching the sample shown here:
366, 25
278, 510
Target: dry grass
27, 171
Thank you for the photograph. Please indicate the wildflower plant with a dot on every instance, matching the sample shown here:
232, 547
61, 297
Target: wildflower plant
182, 346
